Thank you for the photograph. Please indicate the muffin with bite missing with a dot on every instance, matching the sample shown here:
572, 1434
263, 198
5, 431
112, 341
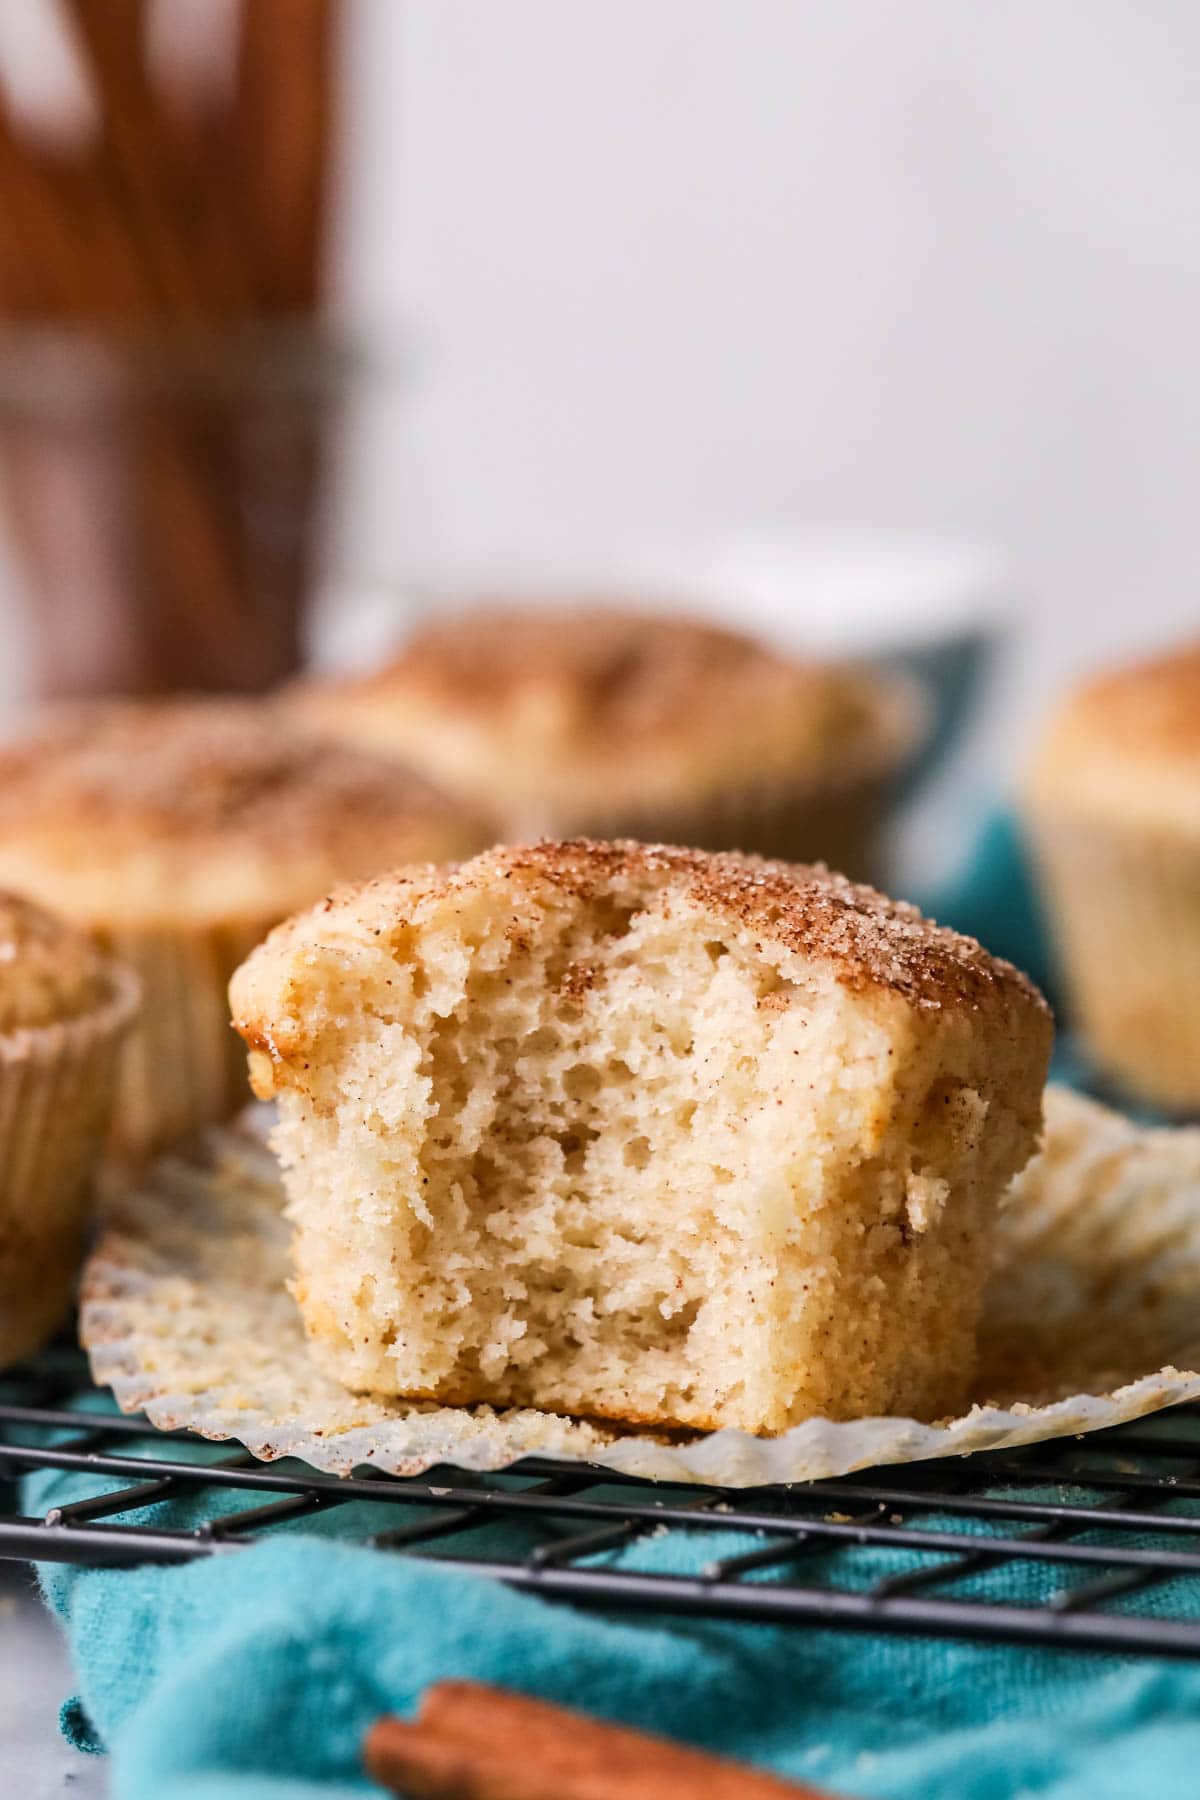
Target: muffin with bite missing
1113, 804
64, 1009
602, 722
643, 1133
177, 833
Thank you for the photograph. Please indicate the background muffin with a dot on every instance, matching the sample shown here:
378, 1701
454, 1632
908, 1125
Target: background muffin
63, 1010
603, 723
1113, 800
178, 833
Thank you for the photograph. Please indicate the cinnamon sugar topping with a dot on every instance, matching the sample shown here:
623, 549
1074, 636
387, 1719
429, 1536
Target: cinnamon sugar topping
625, 673
184, 770
48, 971
609, 676
875, 941
807, 909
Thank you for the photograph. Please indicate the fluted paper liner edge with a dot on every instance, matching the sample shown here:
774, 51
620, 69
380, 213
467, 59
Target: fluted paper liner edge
1092, 1319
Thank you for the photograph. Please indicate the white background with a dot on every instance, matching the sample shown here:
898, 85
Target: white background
911, 264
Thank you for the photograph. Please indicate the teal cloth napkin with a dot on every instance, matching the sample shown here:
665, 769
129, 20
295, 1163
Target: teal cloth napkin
253, 1674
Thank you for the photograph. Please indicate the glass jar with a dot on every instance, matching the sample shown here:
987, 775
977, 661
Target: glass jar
164, 498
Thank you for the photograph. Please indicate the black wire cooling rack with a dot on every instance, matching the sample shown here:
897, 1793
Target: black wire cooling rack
1086, 1543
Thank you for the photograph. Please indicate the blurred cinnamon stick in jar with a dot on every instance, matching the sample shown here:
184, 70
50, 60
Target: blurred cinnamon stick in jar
167, 391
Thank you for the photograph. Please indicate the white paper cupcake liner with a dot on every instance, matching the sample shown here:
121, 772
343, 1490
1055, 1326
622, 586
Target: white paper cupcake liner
183, 1066
838, 824
1092, 1318
56, 1086
1126, 906
835, 816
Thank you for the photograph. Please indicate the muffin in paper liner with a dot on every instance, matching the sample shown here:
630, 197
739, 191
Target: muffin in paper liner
1112, 801
176, 833
56, 1091
833, 815
604, 720
1092, 1318
1126, 907
183, 1065
837, 820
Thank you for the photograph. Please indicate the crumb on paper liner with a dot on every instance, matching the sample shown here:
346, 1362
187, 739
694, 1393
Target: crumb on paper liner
1092, 1318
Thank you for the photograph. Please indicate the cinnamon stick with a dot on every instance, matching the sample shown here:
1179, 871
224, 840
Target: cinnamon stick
107, 286
39, 241
145, 230
75, 258
186, 236
473, 1742
283, 122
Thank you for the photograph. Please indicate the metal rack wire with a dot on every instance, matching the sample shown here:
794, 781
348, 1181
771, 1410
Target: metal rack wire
1098, 1536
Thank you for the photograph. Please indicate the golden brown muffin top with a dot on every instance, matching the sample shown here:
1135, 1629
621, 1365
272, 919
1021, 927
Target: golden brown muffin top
49, 972
578, 709
873, 941
192, 768
1126, 743
628, 675
866, 940
1151, 708
209, 809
